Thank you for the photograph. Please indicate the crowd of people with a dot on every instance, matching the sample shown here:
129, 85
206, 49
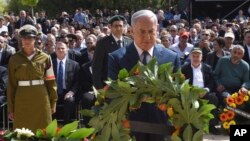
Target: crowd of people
52, 62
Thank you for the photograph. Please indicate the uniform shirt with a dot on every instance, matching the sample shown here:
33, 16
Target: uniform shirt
63, 67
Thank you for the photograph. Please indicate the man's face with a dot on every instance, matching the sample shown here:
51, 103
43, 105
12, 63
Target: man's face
236, 55
247, 38
144, 32
61, 50
117, 28
90, 43
2, 42
196, 58
229, 41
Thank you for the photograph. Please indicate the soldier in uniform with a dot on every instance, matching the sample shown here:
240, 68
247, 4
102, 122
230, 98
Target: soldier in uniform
31, 90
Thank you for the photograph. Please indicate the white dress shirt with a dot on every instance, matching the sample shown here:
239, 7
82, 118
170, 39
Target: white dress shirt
197, 76
140, 53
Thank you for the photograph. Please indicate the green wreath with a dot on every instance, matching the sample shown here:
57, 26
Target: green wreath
150, 83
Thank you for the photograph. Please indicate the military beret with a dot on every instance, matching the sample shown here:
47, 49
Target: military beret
116, 18
28, 30
71, 37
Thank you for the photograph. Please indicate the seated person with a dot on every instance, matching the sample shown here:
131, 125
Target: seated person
67, 73
231, 74
201, 75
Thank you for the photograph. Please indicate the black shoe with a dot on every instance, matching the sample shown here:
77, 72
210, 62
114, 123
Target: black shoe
214, 130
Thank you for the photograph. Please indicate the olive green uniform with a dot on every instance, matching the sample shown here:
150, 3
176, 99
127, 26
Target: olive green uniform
32, 104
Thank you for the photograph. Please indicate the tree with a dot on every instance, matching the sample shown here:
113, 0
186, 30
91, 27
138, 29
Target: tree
30, 3
2, 6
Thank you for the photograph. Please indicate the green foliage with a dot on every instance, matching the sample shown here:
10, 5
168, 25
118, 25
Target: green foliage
30, 3
152, 83
55, 7
68, 132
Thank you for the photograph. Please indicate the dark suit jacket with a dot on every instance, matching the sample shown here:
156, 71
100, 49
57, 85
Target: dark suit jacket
207, 75
246, 55
6, 54
73, 55
71, 75
86, 78
3, 81
128, 57
85, 55
211, 58
100, 60
27, 21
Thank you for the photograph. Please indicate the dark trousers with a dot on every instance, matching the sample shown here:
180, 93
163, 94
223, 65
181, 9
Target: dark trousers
66, 109
212, 99
149, 113
87, 101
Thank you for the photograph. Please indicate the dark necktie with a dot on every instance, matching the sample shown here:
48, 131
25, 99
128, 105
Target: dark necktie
173, 40
144, 59
119, 43
60, 78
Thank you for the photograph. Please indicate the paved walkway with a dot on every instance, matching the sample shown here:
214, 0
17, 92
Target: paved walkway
215, 138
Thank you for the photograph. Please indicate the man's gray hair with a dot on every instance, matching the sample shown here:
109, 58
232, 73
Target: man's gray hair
143, 13
238, 47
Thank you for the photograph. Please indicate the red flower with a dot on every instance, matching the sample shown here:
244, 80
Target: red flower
229, 100
230, 115
239, 100
223, 117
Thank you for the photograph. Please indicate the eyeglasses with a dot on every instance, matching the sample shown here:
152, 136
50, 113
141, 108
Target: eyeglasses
89, 42
205, 34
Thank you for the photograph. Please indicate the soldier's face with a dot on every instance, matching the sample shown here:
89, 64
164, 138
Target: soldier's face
28, 43
117, 28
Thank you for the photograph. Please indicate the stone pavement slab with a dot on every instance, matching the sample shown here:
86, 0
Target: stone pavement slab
210, 137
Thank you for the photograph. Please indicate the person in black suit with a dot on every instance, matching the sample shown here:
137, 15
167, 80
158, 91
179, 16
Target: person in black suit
201, 75
86, 88
5, 52
144, 30
72, 54
246, 56
67, 80
23, 20
105, 46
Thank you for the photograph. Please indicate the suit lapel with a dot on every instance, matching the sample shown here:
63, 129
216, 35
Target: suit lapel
158, 52
67, 66
191, 74
133, 56
55, 66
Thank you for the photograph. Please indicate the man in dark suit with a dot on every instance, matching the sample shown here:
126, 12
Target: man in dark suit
67, 73
246, 56
144, 30
105, 46
5, 52
86, 88
23, 20
72, 54
201, 75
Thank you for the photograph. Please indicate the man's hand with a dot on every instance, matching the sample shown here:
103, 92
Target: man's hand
70, 94
220, 88
53, 110
243, 91
11, 116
